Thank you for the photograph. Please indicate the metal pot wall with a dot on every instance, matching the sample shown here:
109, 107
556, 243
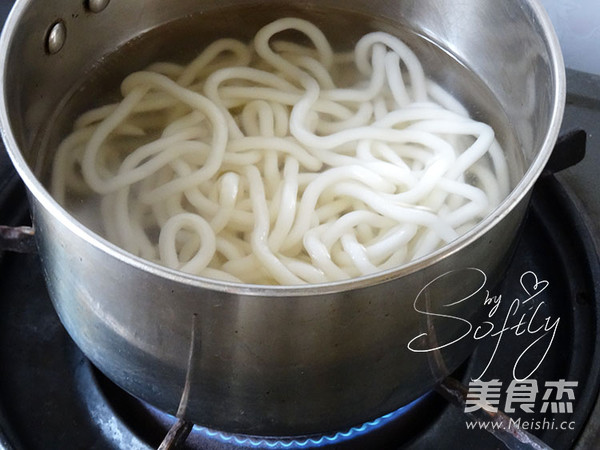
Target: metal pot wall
275, 360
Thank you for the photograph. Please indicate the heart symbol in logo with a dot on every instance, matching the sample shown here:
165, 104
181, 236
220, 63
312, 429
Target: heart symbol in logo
536, 286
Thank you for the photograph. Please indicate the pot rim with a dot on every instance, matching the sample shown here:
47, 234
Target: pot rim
518, 194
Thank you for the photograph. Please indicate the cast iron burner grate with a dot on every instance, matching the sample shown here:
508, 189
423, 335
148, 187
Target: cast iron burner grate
51, 396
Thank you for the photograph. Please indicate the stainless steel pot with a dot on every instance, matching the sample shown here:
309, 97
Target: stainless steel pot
274, 360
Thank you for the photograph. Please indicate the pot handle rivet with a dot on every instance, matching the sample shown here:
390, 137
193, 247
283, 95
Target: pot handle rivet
55, 39
97, 5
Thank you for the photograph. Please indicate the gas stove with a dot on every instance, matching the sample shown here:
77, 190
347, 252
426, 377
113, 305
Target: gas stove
52, 397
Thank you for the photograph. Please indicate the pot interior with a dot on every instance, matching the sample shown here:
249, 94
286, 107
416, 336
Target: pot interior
48, 92
466, 50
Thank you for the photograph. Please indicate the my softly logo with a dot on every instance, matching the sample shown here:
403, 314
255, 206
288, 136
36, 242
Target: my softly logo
524, 317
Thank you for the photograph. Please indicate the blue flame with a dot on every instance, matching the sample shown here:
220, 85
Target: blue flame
305, 442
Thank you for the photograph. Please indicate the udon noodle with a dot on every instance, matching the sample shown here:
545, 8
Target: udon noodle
276, 162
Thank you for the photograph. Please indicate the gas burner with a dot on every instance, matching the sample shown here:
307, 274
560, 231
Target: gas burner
140, 418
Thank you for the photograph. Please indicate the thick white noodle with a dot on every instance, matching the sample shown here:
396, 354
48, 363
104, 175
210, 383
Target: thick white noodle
259, 163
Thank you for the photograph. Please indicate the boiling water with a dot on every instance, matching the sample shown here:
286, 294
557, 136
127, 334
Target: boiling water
182, 40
